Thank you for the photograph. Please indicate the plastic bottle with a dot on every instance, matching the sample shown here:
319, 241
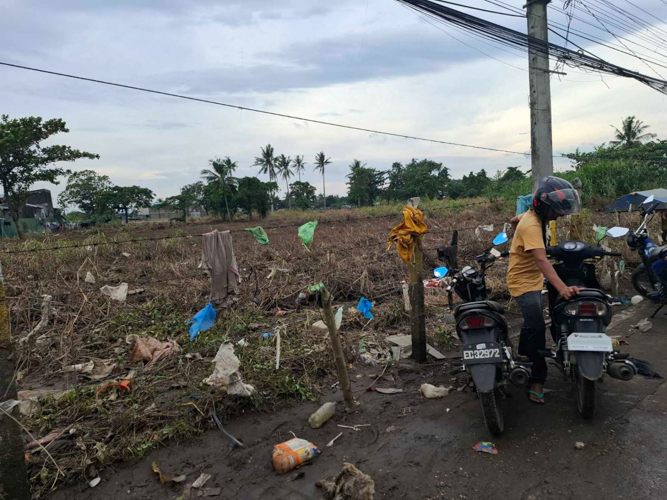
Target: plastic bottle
324, 413
292, 453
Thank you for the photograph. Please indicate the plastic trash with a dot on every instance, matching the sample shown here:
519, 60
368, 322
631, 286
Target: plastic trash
118, 293
259, 234
350, 483
307, 232
226, 373
90, 279
579, 445
339, 318
485, 447
202, 321
440, 272
365, 307
431, 392
636, 300
643, 326
267, 335
315, 288
324, 413
292, 453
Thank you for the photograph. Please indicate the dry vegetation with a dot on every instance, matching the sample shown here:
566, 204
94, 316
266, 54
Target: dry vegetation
349, 255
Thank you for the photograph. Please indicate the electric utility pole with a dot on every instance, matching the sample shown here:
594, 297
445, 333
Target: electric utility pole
541, 147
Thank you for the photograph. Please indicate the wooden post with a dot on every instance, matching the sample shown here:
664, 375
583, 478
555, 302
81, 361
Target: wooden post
417, 320
13, 476
341, 364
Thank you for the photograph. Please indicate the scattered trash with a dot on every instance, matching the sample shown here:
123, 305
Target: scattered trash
277, 350
339, 318
636, 300
349, 484
644, 368
123, 384
8, 406
267, 335
365, 307
166, 479
136, 291
201, 481
202, 321
95, 482
406, 234
600, 233
405, 343
259, 234
89, 279
355, 428
431, 392
292, 453
126, 255
434, 283
95, 369
324, 413
301, 299
484, 227
306, 233
151, 350
222, 429
241, 342
618, 343
274, 272
315, 288
643, 326
319, 327
43, 322
330, 443
396, 353
579, 445
390, 390
281, 313
226, 373
440, 272
118, 293
485, 447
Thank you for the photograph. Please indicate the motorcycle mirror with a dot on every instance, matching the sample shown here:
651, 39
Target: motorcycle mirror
501, 238
440, 272
617, 231
648, 200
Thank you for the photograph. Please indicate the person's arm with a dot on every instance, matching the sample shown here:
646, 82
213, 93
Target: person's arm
540, 256
514, 221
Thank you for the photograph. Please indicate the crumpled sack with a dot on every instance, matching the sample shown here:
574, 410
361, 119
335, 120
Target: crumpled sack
407, 233
349, 484
226, 373
523, 203
307, 232
118, 293
202, 321
259, 234
150, 349
483, 227
364, 307
600, 233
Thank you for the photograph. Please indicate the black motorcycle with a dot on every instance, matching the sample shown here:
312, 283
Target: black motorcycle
578, 325
481, 326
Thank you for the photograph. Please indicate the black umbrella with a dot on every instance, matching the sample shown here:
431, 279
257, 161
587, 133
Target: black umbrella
634, 200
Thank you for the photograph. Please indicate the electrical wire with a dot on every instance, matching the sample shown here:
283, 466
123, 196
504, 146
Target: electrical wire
479, 9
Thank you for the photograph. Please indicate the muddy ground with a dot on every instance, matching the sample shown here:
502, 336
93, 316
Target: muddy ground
421, 449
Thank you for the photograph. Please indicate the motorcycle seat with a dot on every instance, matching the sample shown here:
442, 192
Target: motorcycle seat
587, 293
657, 253
487, 305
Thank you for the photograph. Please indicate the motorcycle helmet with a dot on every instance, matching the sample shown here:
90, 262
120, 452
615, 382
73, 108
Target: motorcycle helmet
556, 194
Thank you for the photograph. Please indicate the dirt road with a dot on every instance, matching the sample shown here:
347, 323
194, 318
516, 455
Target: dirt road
421, 449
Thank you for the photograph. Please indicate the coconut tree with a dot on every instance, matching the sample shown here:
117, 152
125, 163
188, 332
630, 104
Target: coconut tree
632, 133
221, 172
299, 165
321, 161
267, 164
283, 164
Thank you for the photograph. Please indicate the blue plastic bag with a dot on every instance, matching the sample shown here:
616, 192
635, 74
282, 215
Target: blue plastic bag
364, 307
201, 321
523, 203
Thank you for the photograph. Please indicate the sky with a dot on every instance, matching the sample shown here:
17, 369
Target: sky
367, 63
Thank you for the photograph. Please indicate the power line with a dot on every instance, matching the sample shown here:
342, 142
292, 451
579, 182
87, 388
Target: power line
264, 112
481, 10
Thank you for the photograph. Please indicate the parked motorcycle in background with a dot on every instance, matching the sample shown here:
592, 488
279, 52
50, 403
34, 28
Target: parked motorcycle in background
481, 326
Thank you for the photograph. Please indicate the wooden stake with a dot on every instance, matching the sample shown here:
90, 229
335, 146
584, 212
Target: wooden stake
13, 476
416, 290
341, 364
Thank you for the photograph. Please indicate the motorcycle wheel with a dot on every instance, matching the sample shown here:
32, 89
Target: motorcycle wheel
641, 281
492, 411
586, 395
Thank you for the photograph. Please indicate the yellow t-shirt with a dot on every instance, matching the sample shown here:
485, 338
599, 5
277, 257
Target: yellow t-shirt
523, 275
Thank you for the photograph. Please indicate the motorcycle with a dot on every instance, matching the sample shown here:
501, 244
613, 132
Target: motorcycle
646, 278
578, 325
483, 330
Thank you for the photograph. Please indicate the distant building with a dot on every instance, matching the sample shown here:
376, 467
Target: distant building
39, 204
155, 213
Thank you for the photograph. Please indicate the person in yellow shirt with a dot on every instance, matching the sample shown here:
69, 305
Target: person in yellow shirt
529, 265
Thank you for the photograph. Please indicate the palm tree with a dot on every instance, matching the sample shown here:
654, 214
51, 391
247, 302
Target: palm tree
322, 161
222, 174
283, 164
267, 162
299, 165
632, 133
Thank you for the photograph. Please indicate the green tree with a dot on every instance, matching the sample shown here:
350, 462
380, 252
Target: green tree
127, 198
254, 195
471, 185
303, 194
221, 173
25, 161
364, 184
512, 174
424, 178
192, 196
299, 166
267, 164
321, 161
632, 133
396, 187
85, 190
283, 164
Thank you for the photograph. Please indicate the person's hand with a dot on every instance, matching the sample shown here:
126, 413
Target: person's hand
567, 292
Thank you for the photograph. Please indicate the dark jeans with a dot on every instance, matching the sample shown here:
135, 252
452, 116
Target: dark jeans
533, 333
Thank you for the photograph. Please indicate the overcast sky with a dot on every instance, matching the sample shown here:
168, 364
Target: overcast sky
368, 63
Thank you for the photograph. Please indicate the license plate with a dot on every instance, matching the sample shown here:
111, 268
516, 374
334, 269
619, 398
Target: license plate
592, 342
483, 352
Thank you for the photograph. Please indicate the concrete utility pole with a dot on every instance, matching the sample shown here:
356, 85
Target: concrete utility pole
540, 93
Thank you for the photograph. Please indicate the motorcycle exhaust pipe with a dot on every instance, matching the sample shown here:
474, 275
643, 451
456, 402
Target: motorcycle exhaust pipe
621, 370
520, 376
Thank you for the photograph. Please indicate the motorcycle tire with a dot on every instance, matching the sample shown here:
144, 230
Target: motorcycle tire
586, 395
641, 281
492, 411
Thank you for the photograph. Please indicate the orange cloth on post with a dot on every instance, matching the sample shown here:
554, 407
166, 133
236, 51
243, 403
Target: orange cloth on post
408, 232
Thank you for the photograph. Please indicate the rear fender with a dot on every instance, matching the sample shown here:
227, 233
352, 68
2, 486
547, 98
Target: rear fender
484, 376
590, 364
